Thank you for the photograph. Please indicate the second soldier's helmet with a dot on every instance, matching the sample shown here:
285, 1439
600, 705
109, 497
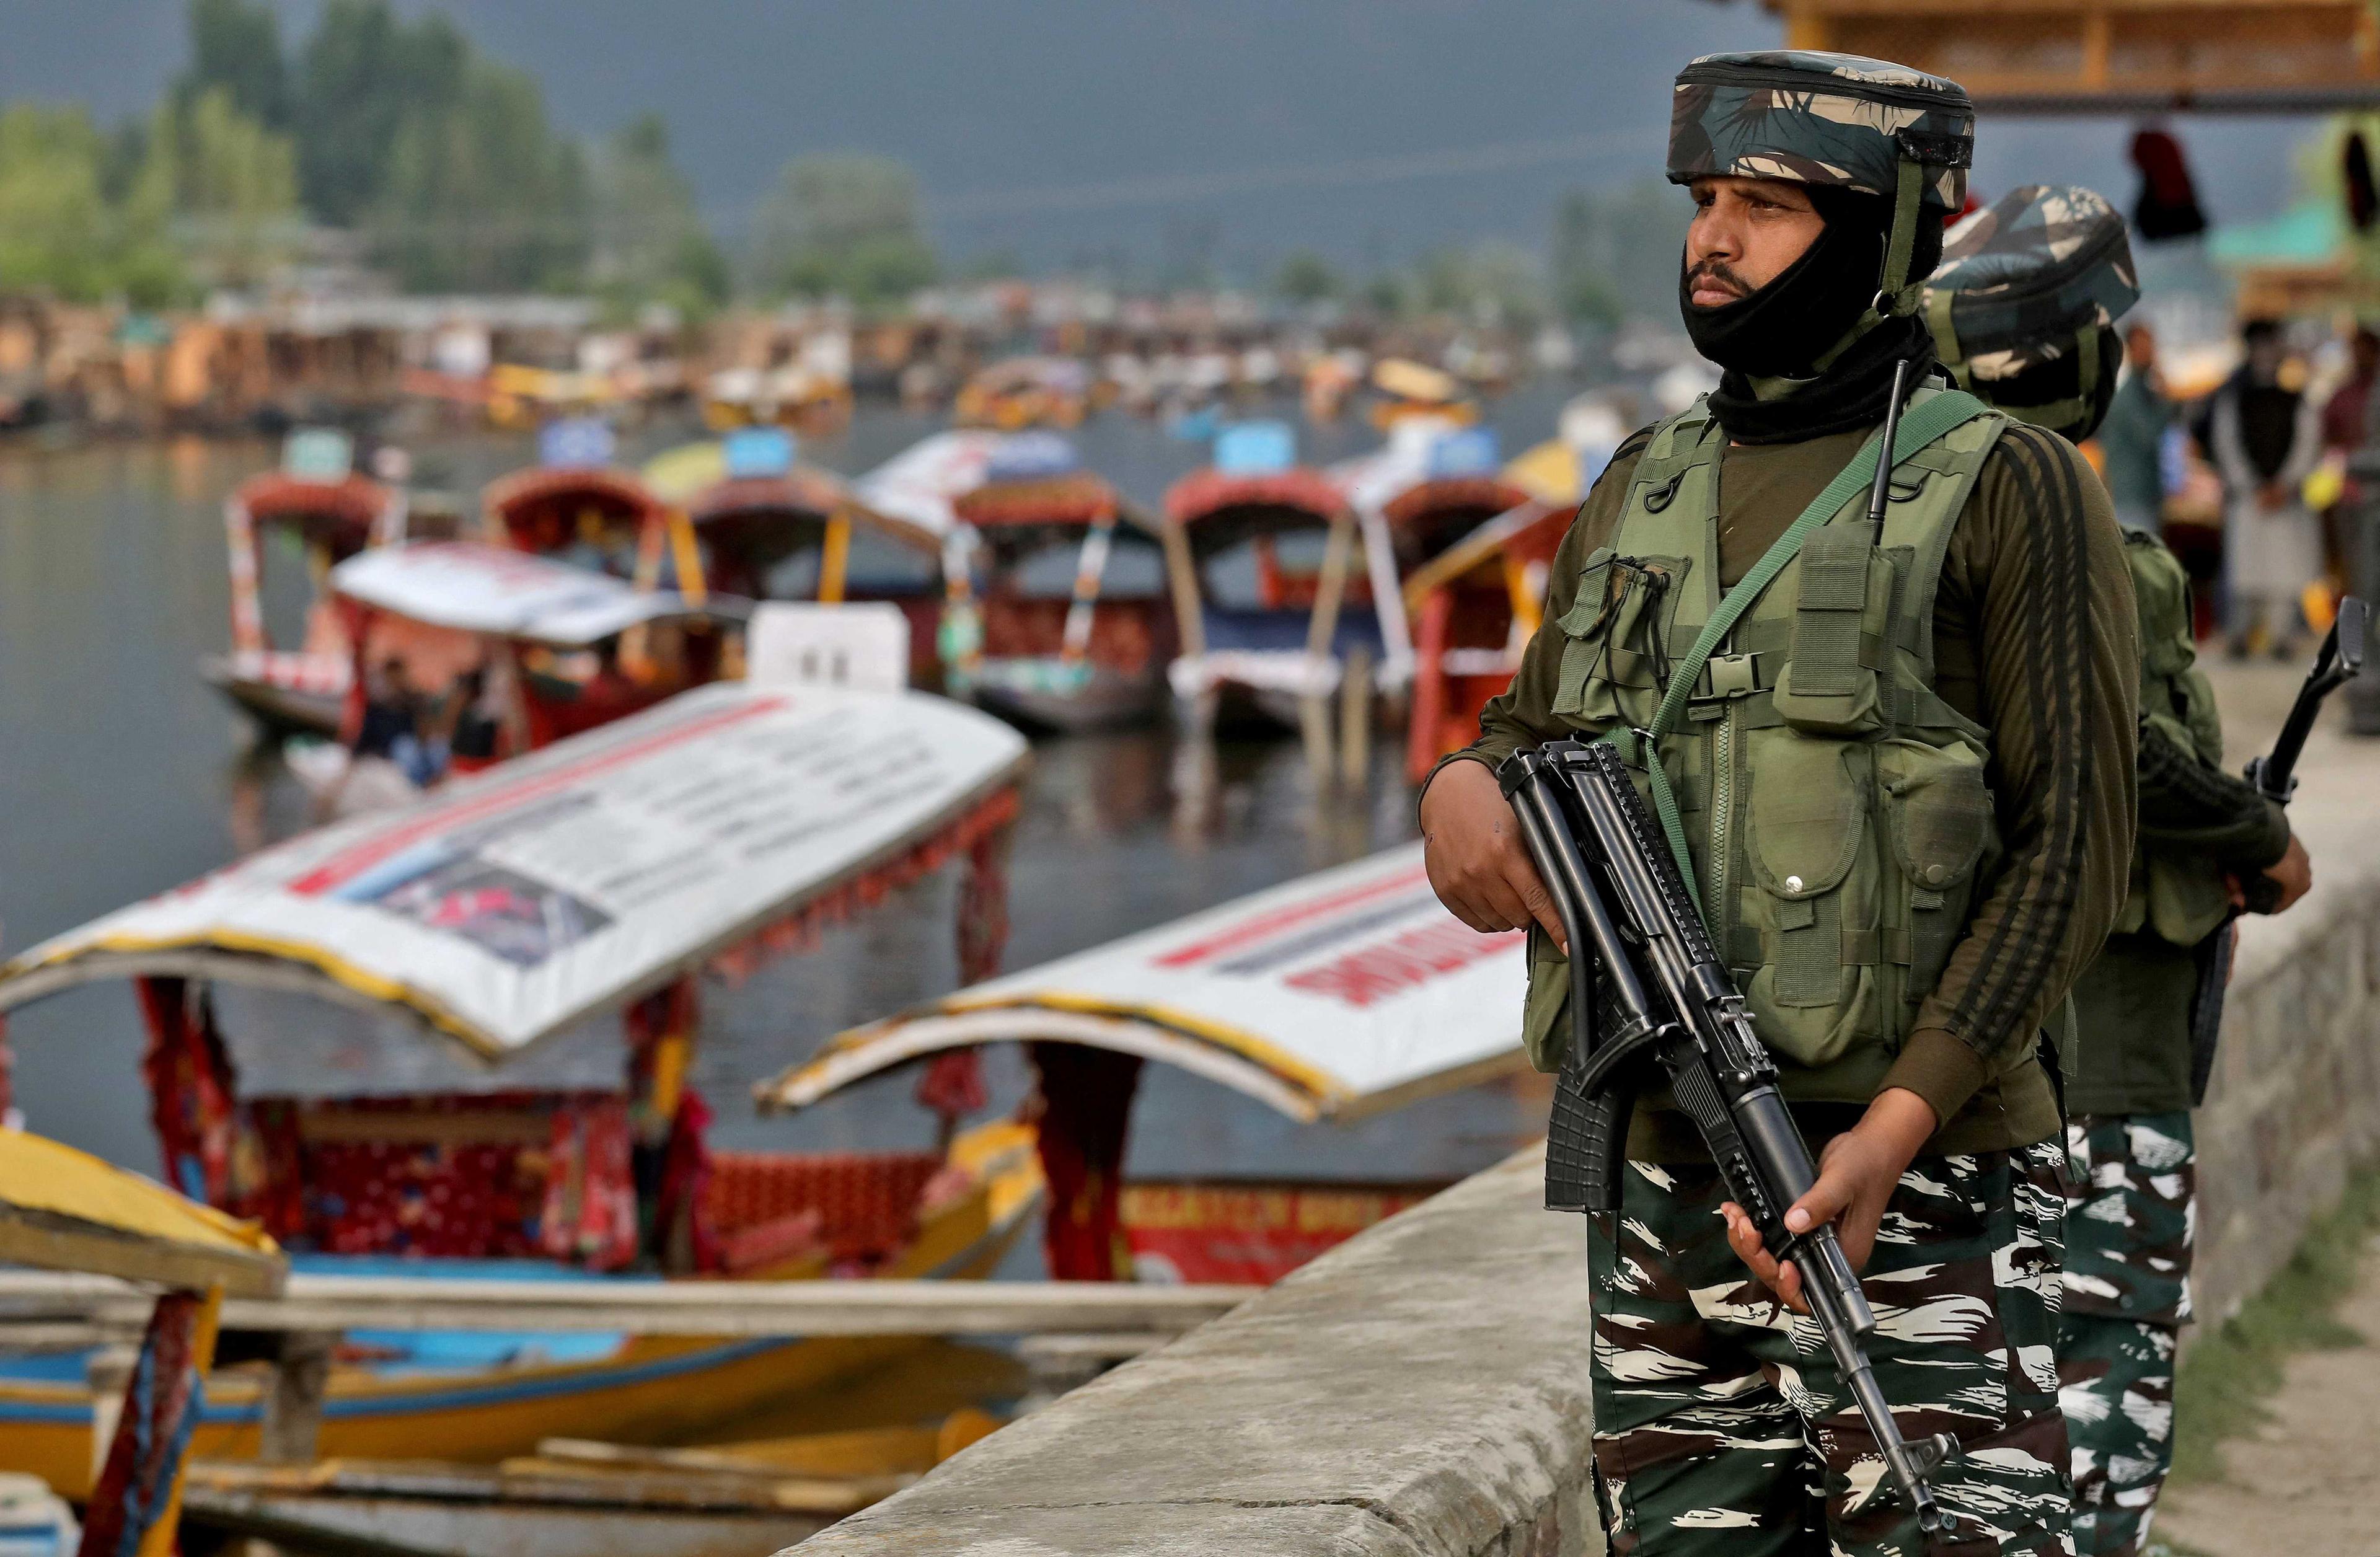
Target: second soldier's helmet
1853, 123
2023, 305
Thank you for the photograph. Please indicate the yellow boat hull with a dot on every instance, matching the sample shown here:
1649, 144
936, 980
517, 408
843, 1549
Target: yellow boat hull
653, 1389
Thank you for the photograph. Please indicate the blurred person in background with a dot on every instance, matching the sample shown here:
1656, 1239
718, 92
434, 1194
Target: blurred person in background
2265, 436
2347, 427
2131, 439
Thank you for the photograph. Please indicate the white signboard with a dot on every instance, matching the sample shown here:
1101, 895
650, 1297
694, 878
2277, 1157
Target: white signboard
482, 589
557, 884
1349, 989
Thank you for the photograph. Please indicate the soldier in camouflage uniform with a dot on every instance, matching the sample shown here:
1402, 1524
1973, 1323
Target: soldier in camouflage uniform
1904, 782
2023, 311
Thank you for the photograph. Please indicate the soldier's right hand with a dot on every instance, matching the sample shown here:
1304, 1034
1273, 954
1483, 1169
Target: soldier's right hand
1478, 863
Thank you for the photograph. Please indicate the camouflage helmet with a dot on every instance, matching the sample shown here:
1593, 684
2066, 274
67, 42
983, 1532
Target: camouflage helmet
1840, 120
2027, 286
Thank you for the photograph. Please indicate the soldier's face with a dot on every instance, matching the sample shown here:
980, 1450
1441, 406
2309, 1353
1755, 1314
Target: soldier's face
1746, 233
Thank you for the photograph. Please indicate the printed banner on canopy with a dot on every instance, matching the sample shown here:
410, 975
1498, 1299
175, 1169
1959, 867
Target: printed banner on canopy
1348, 989
511, 905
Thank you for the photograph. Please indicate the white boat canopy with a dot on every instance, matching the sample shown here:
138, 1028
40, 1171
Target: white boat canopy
920, 482
476, 588
561, 884
1340, 993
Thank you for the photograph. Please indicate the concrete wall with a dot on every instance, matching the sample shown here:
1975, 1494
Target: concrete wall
2296, 1095
1419, 1392
1422, 1391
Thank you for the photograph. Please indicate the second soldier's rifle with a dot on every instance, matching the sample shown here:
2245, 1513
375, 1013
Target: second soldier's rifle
1639, 951
2275, 776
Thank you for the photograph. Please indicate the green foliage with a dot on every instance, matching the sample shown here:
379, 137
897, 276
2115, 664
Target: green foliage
362, 76
1307, 277
650, 245
481, 194
843, 226
235, 49
232, 183
1489, 284
2225, 1379
1616, 253
59, 233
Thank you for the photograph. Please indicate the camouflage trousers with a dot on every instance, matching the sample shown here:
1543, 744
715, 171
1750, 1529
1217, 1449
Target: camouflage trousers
1722, 1426
2130, 1214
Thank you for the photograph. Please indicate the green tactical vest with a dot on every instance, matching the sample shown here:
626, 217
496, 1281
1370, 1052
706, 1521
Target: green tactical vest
1835, 807
2178, 897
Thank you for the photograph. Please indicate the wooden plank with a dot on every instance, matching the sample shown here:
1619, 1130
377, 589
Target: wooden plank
747, 1308
293, 1408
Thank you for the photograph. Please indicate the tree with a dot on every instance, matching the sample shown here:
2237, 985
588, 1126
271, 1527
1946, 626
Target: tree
1307, 277
650, 245
234, 185
481, 194
58, 231
1490, 284
236, 48
1615, 254
843, 226
362, 75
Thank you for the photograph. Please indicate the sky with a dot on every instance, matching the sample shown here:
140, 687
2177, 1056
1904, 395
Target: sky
1161, 130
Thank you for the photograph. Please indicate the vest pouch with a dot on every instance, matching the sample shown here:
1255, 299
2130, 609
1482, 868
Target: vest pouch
1842, 609
1939, 823
1814, 893
1614, 637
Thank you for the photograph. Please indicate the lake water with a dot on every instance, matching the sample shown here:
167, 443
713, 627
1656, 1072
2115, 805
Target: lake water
122, 775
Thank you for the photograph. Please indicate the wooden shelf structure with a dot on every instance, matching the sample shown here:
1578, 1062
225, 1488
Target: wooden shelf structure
2115, 57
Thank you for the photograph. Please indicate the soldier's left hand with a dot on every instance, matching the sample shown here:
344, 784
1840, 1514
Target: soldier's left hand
1858, 1171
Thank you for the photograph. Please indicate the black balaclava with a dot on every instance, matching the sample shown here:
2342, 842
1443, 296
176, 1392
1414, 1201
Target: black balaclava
1769, 346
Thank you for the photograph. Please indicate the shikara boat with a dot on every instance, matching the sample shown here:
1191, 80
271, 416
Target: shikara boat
331, 513
1338, 995
1072, 624
1026, 392
574, 505
1272, 591
63, 1210
474, 653
462, 1032
1475, 604
764, 525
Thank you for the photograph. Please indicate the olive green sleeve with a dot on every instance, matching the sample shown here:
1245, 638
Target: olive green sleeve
1523, 714
2036, 568
2189, 808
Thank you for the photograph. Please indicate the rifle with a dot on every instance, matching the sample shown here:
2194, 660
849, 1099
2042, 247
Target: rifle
1636, 936
2274, 775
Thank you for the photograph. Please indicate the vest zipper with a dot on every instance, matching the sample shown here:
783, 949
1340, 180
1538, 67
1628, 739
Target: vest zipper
1715, 912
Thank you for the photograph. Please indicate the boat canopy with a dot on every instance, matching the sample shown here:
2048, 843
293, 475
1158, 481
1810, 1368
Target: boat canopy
343, 516
1071, 500
1340, 993
507, 908
918, 485
511, 501
1217, 508
473, 587
64, 1209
